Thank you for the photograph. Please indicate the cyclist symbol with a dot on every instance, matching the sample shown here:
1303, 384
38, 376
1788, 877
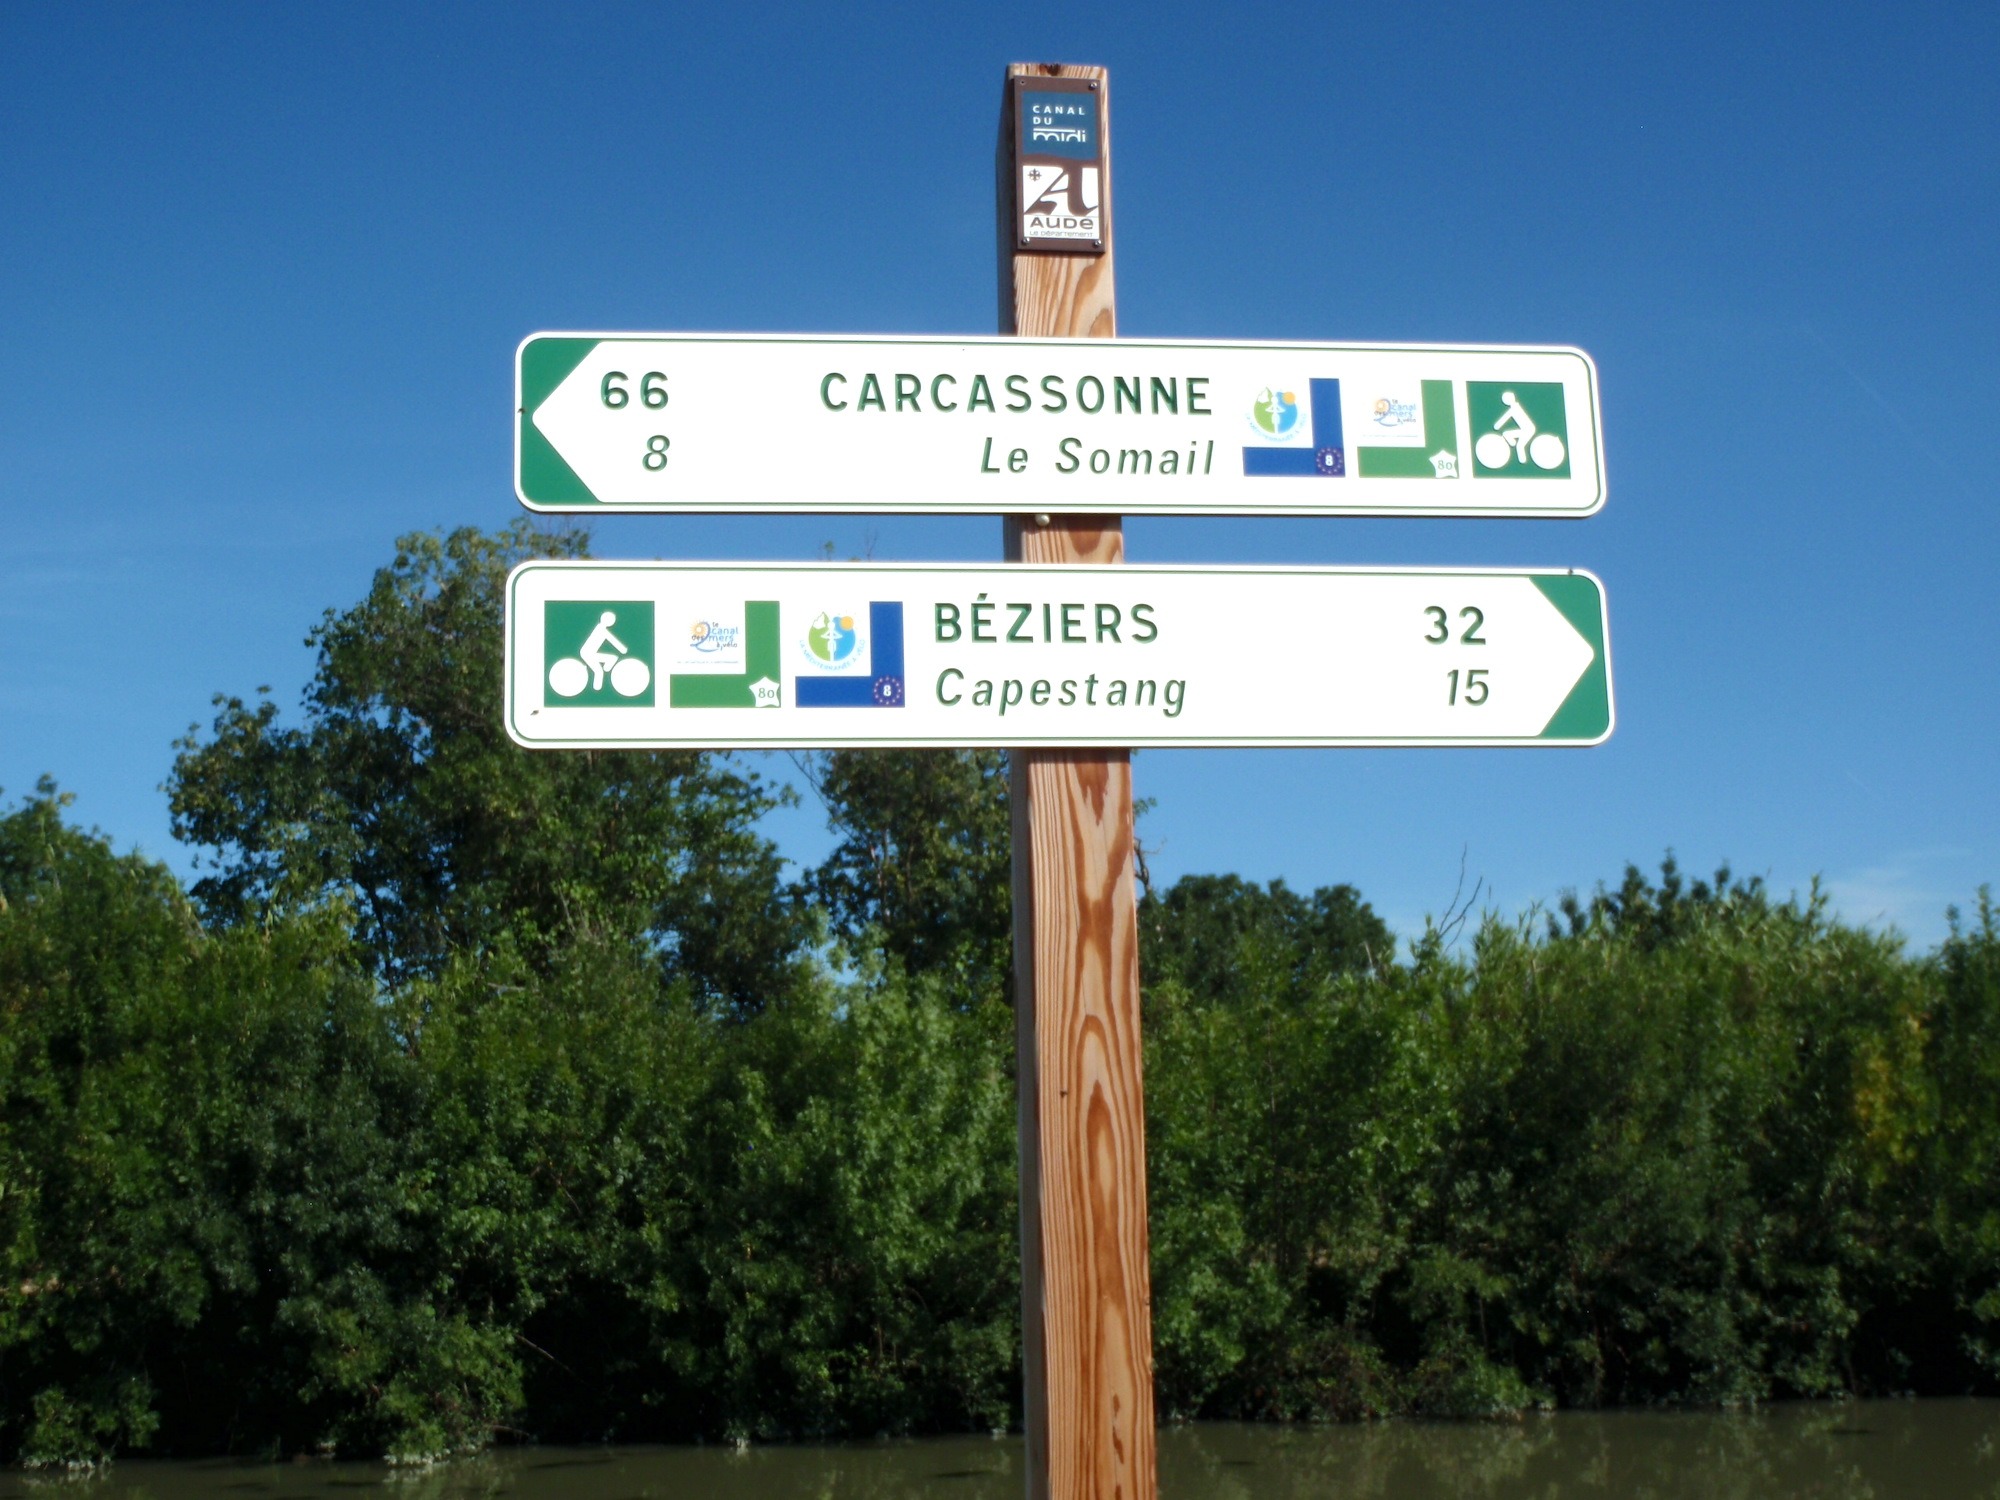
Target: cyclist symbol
1521, 443
603, 655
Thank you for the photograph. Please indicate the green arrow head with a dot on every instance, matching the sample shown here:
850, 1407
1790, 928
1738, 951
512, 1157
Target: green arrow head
1585, 715
542, 477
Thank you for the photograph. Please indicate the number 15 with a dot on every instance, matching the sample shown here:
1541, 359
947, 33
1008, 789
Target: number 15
1475, 686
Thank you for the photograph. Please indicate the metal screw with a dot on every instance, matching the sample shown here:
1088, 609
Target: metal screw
1041, 520
1098, 243
1093, 83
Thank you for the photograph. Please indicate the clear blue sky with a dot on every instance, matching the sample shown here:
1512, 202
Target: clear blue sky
263, 269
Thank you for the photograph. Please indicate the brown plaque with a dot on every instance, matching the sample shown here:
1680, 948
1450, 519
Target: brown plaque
1060, 201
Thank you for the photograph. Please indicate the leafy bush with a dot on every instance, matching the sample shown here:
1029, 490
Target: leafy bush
247, 1201
1692, 1145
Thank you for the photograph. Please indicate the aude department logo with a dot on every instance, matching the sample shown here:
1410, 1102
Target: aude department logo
1061, 201
598, 654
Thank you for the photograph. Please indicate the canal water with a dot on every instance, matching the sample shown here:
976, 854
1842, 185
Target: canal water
1864, 1450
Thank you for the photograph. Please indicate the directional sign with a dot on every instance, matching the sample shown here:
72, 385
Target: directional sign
686, 422
722, 655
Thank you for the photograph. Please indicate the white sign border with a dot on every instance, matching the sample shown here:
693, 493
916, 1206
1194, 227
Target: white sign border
1053, 504
1052, 742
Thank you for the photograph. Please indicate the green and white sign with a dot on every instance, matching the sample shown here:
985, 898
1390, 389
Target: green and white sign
729, 655
686, 422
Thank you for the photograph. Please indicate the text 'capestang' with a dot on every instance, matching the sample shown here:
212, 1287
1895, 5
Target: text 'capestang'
724, 655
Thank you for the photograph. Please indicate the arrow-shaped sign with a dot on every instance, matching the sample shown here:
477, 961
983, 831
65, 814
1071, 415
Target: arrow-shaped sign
671, 655
683, 422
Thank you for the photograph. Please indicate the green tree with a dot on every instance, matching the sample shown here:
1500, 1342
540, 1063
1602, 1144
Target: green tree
853, 1267
401, 793
1687, 1143
1284, 1131
923, 858
204, 1164
1224, 939
549, 1175
1954, 1191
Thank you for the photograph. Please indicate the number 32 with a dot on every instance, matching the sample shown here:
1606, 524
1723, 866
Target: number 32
1471, 637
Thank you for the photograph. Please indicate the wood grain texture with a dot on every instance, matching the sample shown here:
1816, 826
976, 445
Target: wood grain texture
1086, 1280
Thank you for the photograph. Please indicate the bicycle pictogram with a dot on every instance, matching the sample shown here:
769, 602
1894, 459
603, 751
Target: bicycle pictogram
1516, 439
602, 657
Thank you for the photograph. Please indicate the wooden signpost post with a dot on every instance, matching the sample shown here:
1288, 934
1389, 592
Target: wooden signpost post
1086, 1278
745, 654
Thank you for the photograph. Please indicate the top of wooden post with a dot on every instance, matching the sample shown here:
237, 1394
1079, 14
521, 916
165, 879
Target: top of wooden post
1043, 295
1056, 296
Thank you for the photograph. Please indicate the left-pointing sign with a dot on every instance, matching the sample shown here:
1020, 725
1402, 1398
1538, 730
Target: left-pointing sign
724, 655
697, 422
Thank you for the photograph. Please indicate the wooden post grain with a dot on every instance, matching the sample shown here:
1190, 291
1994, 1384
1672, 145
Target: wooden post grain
1085, 1279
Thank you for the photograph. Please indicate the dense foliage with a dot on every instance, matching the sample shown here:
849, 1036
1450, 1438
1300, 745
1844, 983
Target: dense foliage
921, 867
401, 795
248, 1202
1692, 1146
474, 1094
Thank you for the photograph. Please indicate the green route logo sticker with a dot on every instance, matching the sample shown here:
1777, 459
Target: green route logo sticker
599, 653
1418, 439
742, 671
1521, 429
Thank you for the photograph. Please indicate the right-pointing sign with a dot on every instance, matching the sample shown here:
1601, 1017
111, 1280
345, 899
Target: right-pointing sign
726, 655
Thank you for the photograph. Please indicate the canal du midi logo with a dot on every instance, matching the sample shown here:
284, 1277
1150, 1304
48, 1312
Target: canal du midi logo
598, 654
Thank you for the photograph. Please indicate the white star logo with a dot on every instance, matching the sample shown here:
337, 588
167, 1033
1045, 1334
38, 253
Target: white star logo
1445, 463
